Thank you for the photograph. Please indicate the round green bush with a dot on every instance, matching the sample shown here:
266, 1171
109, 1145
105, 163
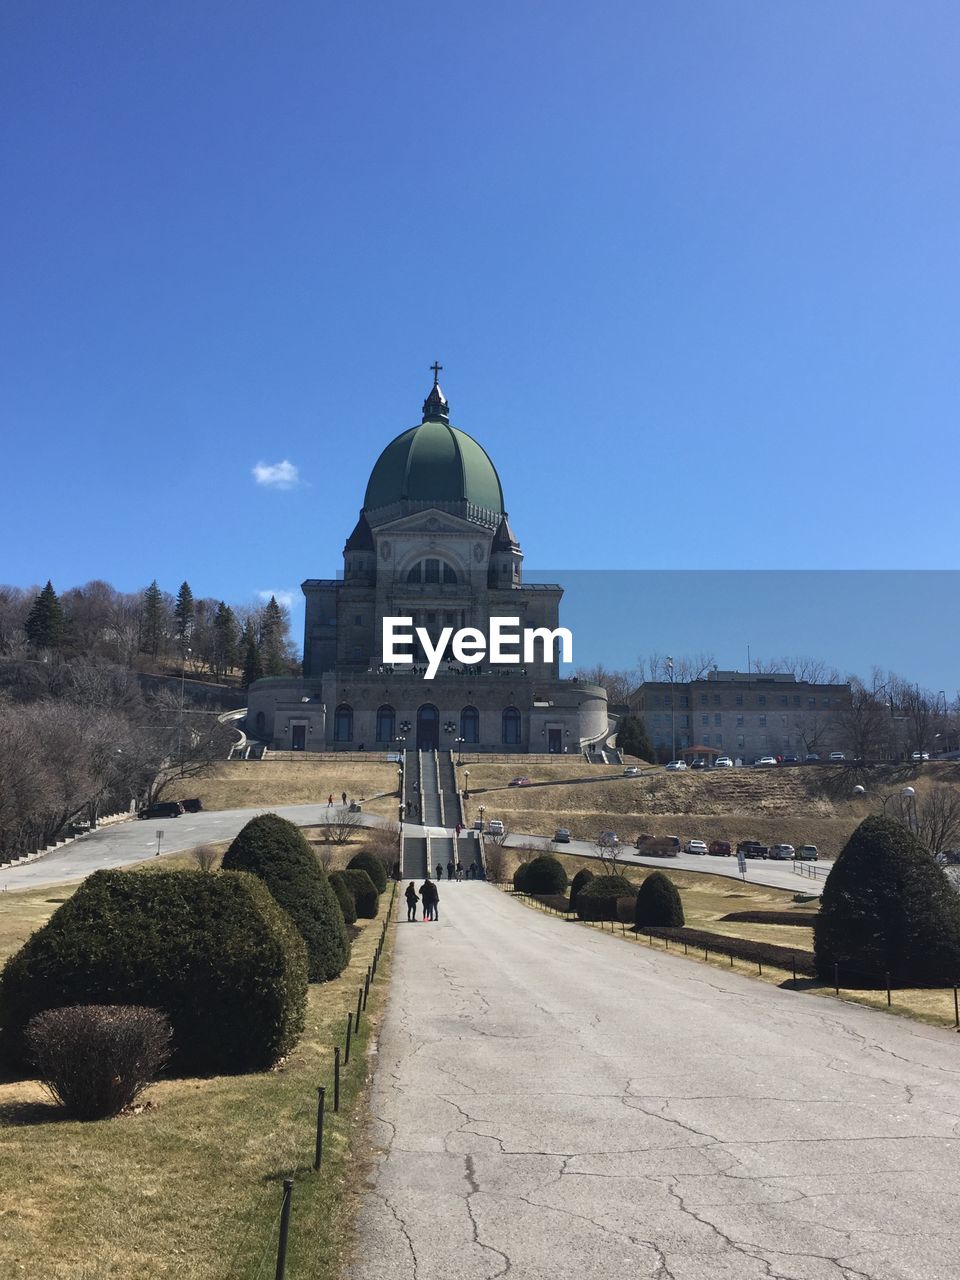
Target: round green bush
215, 953
545, 874
344, 896
887, 907
520, 878
598, 899
584, 876
275, 851
658, 903
364, 892
372, 865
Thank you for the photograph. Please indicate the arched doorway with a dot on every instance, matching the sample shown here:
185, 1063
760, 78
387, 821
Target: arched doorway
428, 728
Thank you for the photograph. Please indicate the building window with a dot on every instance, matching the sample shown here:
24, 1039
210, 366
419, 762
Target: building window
358, 653
704, 699
470, 724
343, 723
685, 721
718, 738
432, 570
358, 619
705, 719
783, 699
739, 699
796, 700
511, 727
684, 701
716, 699
761, 700
386, 724
763, 723
718, 718
739, 722
415, 574
811, 702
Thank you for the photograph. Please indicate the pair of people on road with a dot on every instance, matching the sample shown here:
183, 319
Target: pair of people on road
430, 898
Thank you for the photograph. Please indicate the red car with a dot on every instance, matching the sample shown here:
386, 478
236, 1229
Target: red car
519, 782
720, 848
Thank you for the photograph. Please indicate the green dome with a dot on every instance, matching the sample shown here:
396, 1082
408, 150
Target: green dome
434, 462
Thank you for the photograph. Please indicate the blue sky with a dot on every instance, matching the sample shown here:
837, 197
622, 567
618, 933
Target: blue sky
692, 271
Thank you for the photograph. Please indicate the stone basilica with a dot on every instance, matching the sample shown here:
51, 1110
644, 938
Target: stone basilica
433, 543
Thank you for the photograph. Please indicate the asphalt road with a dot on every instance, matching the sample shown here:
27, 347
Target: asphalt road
554, 1102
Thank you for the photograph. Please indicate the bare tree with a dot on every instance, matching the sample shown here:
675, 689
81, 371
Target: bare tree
619, 684
338, 825
687, 667
864, 722
496, 860
938, 819
608, 851
206, 857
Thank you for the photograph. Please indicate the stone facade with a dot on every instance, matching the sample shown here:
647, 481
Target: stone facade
743, 715
434, 544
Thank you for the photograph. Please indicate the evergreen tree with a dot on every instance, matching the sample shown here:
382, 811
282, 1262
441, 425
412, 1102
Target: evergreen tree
632, 738
273, 640
44, 624
252, 665
151, 630
658, 903
184, 614
225, 640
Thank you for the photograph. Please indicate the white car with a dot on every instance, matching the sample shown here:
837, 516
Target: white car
781, 852
766, 762
837, 757
495, 827
807, 853
677, 766
723, 762
631, 771
917, 755
695, 846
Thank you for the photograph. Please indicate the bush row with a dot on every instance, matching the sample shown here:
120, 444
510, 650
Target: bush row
805, 919
740, 948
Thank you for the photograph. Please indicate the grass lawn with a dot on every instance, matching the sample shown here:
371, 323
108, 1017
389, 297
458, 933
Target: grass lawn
238, 784
190, 1186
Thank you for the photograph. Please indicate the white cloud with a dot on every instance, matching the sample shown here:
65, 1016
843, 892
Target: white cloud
277, 475
282, 596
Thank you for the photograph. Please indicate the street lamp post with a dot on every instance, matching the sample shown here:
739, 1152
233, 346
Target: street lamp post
459, 745
909, 797
466, 783
673, 712
480, 811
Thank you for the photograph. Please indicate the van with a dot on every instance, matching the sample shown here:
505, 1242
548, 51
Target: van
807, 853
658, 846
495, 827
163, 809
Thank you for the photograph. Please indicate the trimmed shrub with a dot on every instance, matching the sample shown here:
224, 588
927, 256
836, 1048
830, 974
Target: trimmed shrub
582, 877
372, 865
520, 878
276, 852
658, 903
806, 919
597, 900
364, 891
96, 1058
887, 907
545, 874
215, 953
344, 896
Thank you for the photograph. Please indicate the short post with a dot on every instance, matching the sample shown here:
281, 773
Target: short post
793, 960
336, 1078
284, 1228
318, 1151
759, 969
366, 988
705, 953
374, 965
684, 948
731, 959
888, 988
836, 977
346, 1052
956, 1010
666, 943
356, 1021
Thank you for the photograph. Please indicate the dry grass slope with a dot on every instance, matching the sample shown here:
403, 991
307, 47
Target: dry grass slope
240, 784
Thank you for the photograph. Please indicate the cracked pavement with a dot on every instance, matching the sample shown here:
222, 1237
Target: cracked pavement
551, 1101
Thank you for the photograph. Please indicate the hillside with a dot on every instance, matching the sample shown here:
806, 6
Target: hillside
239, 784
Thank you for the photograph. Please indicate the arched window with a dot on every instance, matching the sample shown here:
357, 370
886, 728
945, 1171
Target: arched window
511, 727
261, 723
470, 724
432, 570
386, 724
343, 723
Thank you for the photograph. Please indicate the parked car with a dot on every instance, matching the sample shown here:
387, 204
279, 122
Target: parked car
720, 848
752, 849
781, 852
561, 835
608, 840
695, 846
677, 766
920, 755
811, 758
765, 762
192, 806
837, 757
163, 809
699, 764
519, 782
631, 771
807, 853
658, 846
723, 762
495, 827
790, 760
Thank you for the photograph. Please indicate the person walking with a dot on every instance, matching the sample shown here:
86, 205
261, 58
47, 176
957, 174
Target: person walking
450, 870
439, 870
434, 902
426, 897
412, 900
459, 829
343, 796
330, 800
459, 874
